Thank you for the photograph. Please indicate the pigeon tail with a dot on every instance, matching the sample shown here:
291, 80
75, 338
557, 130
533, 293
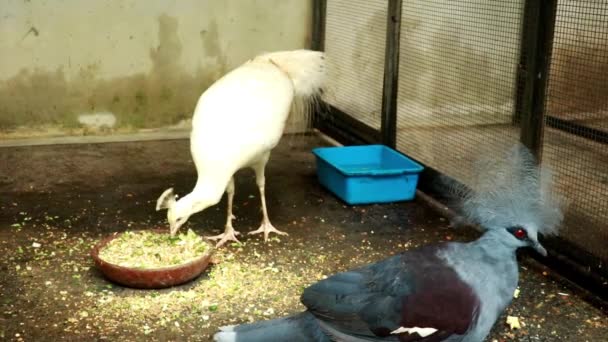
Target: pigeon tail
297, 328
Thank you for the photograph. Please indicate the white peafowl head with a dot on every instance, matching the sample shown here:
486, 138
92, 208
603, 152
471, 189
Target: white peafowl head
178, 212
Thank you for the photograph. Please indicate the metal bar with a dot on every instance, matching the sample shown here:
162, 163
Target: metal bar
319, 12
535, 56
577, 129
574, 276
388, 126
537, 42
577, 265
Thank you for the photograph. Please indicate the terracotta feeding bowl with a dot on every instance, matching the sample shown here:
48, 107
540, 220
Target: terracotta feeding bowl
150, 278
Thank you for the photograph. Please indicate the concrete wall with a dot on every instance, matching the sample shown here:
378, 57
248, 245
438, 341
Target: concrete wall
128, 64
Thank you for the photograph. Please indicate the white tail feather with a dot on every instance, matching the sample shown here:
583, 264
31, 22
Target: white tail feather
307, 71
305, 68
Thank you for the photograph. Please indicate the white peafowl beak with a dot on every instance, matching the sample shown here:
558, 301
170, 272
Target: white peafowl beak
173, 225
167, 201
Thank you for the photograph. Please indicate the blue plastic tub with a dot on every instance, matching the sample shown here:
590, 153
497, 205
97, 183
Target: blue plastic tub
367, 174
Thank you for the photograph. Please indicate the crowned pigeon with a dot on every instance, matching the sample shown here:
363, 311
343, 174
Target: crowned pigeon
447, 292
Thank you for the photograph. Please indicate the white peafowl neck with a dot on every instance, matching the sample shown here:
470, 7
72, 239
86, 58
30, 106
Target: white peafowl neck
206, 193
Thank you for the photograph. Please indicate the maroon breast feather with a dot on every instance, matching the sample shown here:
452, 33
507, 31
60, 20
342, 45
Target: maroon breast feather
441, 300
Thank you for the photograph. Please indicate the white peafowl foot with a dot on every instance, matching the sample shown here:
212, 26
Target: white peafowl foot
267, 228
228, 235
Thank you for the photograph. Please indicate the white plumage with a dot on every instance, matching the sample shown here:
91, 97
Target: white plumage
236, 123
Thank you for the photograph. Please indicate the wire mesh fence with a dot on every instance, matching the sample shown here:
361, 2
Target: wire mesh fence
472, 79
355, 42
457, 80
576, 120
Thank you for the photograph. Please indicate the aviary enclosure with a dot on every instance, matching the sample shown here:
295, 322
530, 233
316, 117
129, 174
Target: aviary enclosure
96, 101
444, 81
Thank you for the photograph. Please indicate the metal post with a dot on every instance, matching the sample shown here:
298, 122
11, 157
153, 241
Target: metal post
388, 126
319, 11
537, 43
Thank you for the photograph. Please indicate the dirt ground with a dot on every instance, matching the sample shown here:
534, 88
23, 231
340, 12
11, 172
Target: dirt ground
57, 201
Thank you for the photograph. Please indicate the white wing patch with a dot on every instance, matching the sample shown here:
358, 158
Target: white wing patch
423, 332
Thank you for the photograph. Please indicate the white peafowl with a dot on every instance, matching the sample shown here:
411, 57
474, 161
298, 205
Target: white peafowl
237, 122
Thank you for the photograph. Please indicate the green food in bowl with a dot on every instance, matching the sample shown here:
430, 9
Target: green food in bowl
150, 250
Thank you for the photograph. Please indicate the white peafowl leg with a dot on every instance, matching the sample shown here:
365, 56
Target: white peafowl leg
229, 234
266, 227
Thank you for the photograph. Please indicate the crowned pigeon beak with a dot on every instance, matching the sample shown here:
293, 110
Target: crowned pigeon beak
539, 248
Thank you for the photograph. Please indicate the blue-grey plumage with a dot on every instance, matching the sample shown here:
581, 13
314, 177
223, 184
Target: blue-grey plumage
302, 327
445, 292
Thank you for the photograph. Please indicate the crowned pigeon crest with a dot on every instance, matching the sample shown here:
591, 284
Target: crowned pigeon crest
447, 292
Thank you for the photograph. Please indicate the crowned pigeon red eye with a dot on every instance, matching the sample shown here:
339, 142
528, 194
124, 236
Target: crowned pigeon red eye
443, 292
520, 233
